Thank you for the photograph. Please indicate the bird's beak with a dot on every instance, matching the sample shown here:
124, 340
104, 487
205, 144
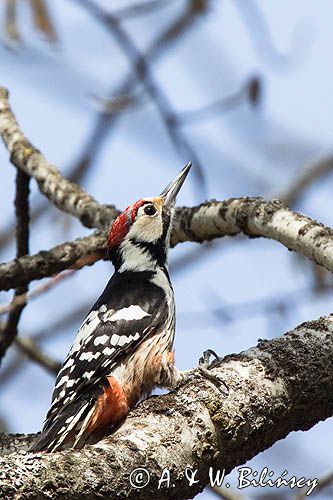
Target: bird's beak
170, 192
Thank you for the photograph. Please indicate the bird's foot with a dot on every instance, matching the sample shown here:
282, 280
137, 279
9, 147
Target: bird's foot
205, 366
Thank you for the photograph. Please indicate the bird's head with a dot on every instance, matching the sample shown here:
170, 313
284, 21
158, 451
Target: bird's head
147, 222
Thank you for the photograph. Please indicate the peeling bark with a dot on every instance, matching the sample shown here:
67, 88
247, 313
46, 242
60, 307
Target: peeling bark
280, 386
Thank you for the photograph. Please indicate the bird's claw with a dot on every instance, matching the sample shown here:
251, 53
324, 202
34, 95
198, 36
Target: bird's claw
204, 360
205, 366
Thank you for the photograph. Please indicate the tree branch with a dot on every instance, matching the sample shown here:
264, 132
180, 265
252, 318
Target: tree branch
306, 178
24, 298
280, 386
43, 264
144, 74
66, 195
22, 211
164, 42
17, 362
31, 349
253, 217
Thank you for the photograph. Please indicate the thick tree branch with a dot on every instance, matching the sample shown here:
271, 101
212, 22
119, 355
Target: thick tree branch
66, 195
13, 443
253, 217
86, 250
280, 386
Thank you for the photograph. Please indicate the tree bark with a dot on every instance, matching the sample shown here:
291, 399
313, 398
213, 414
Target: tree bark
253, 217
279, 386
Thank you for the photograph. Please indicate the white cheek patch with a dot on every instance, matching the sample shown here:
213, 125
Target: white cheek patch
147, 229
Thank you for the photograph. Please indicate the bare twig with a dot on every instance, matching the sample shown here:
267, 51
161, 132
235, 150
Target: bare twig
24, 298
15, 365
11, 21
22, 248
226, 311
105, 120
214, 109
305, 179
141, 8
59, 258
77, 174
323, 482
31, 349
258, 29
142, 70
43, 20
254, 217
117, 104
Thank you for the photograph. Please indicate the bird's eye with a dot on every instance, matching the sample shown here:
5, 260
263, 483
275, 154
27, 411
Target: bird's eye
150, 210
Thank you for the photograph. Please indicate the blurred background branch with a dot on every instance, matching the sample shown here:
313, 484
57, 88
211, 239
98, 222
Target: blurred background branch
9, 332
117, 96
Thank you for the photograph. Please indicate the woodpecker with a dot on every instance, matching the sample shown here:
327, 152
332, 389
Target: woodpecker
124, 347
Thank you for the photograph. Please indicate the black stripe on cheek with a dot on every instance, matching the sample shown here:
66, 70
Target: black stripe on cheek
156, 250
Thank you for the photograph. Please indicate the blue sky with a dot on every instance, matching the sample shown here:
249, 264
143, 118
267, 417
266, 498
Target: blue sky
244, 152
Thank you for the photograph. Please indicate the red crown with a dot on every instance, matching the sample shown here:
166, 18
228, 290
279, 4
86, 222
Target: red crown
121, 225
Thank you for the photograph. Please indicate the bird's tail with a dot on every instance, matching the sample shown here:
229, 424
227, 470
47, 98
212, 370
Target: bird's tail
94, 413
67, 429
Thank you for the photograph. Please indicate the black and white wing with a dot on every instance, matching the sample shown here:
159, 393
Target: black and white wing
130, 309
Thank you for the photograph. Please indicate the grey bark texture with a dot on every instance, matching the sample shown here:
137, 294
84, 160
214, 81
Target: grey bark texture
253, 217
280, 386
275, 388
